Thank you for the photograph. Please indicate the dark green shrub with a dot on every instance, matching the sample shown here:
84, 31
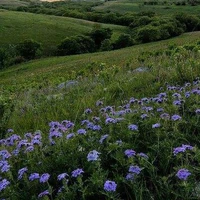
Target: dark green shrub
3, 58
148, 34
99, 35
124, 40
190, 22
29, 49
106, 45
75, 45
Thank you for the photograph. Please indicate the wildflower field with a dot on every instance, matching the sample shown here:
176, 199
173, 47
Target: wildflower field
119, 133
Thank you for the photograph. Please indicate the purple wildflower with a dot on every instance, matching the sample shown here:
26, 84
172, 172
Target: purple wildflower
134, 169
15, 152
183, 148
177, 102
133, 127
70, 135
143, 155
110, 120
96, 128
29, 149
5, 167
46, 192
34, 176
175, 117
93, 155
44, 178
110, 186
55, 134
143, 116
77, 172
62, 176
165, 116
81, 131
3, 184
88, 111
5, 154
197, 111
10, 130
186, 146
103, 137
160, 109
183, 174
157, 125
187, 94
99, 103
130, 177
21, 172
130, 153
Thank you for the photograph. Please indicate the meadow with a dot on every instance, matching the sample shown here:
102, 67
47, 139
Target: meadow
115, 133
111, 125
51, 30
168, 9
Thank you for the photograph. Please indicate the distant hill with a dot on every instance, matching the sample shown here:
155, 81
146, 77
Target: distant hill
48, 30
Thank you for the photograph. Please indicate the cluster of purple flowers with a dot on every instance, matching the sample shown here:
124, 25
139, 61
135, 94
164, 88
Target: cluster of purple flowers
130, 153
93, 155
133, 171
141, 108
110, 186
182, 148
183, 174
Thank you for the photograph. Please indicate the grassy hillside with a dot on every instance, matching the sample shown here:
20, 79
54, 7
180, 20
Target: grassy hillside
58, 69
48, 30
111, 133
123, 6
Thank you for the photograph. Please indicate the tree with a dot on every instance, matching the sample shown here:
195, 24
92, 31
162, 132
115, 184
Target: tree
3, 58
148, 33
75, 45
106, 45
124, 40
29, 49
99, 35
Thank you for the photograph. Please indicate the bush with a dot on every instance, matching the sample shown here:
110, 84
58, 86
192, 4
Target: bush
148, 34
190, 22
99, 35
124, 40
106, 45
76, 45
29, 49
3, 58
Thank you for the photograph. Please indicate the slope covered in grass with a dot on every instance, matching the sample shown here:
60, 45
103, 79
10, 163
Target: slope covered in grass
58, 69
48, 30
116, 133
123, 6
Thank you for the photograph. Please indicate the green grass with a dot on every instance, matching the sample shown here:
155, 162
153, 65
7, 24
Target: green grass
15, 3
58, 69
123, 6
48, 30
29, 100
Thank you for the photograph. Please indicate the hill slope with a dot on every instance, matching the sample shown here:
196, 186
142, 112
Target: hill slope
58, 69
48, 30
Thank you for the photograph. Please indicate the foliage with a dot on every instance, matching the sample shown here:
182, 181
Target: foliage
99, 35
191, 22
148, 34
76, 45
124, 40
29, 49
106, 45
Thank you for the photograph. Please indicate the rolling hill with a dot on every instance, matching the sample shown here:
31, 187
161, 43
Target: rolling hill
48, 30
